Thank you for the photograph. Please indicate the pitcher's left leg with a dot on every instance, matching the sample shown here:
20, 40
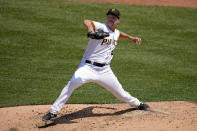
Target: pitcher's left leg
111, 83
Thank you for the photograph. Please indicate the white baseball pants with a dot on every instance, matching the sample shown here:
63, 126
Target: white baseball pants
100, 75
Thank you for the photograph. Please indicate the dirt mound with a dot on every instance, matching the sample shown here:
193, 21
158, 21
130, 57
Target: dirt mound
178, 3
164, 116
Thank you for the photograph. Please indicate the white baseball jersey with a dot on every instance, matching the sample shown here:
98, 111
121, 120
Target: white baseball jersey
101, 51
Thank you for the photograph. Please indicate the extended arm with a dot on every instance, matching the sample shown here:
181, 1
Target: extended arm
129, 37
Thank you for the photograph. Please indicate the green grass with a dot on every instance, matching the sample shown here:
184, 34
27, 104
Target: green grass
43, 41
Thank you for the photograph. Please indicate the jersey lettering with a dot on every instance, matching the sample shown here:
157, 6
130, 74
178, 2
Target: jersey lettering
109, 41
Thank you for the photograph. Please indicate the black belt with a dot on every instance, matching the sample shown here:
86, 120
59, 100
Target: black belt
95, 63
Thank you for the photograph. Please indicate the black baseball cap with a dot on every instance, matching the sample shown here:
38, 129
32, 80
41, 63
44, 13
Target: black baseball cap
114, 11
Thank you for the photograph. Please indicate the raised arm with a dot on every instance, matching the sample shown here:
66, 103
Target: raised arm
129, 37
89, 24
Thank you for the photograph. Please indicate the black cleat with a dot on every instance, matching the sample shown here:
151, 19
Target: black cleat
49, 116
143, 106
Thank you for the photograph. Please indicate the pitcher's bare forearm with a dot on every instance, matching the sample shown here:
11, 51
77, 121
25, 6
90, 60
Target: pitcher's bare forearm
129, 37
89, 24
125, 36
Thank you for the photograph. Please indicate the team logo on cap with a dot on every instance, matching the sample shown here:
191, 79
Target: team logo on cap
113, 10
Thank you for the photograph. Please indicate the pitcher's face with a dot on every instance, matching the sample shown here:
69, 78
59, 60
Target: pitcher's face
112, 20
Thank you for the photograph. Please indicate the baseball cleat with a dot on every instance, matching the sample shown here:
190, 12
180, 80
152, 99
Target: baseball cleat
49, 116
143, 106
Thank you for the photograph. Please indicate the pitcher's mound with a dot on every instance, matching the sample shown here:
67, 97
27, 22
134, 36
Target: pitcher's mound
164, 116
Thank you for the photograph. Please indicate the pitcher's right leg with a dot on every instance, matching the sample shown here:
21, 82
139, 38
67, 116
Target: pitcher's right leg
65, 94
82, 75
61, 100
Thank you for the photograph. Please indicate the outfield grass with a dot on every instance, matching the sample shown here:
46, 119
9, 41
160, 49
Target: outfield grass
43, 41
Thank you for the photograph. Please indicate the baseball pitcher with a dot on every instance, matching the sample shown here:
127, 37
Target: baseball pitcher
95, 64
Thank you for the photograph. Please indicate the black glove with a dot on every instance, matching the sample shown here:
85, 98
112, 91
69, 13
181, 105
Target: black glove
98, 34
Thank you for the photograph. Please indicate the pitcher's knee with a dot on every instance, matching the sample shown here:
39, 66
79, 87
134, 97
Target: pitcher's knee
74, 84
76, 79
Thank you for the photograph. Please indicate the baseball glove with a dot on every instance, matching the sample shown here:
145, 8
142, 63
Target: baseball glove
98, 34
